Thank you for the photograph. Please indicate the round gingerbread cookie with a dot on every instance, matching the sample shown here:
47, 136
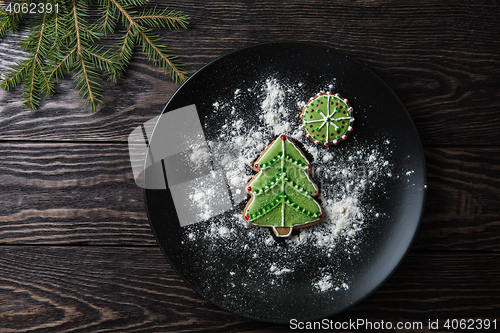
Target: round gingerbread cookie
327, 118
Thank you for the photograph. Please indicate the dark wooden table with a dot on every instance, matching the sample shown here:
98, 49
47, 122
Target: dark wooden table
76, 250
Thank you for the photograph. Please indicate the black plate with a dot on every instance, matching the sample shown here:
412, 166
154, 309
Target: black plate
244, 269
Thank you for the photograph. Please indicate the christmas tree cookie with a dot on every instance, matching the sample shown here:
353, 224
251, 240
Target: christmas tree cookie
327, 118
282, 191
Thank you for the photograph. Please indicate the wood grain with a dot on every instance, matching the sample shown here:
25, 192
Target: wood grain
79, 290
68, 193
98, 202
394, 38
462, 211
76, 250
95, 289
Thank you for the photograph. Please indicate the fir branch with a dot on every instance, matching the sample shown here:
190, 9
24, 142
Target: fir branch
108, 17
32, 70
151, 43
124, 54
163, 19
79, 50
100, 61
127, 45
5, 24
85, 78
61, 64
161, 55
11, 21
55, 28
15, 75
64, 42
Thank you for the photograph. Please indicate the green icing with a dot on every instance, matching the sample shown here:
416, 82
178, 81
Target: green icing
273, 153
282, 191
327, 118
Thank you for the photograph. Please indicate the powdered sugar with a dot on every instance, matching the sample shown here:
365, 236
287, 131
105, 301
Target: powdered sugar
278, 271
324, 283
203, 198
346, 174
199, 154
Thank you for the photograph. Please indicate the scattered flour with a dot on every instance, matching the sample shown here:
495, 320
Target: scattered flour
274, 112
325, 283
346, 175
276, 271
223, 231
339, 216
200, 154
203, 198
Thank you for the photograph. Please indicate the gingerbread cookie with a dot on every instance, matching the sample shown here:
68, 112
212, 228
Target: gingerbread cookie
327, 118
282, 191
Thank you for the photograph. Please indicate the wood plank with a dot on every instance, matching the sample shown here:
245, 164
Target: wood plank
462, 211
69, 193
76, 250
442, 61
83, 289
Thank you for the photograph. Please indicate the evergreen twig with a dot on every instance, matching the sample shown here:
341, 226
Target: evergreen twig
151, 42
65, 41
